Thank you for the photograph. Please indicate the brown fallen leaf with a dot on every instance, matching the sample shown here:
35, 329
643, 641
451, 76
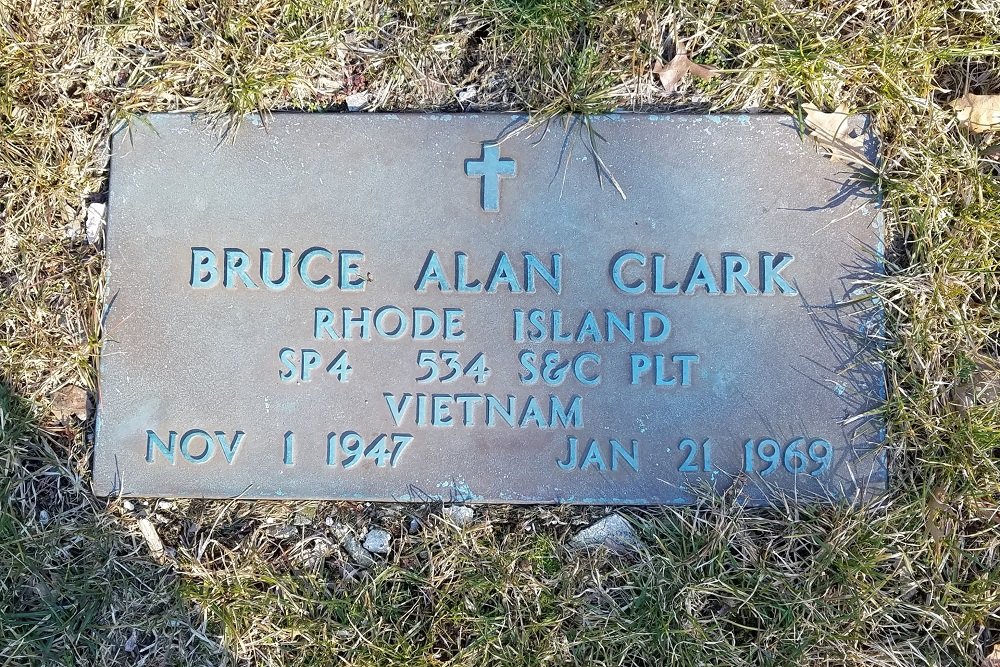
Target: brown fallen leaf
68, 401
980, 112
673, 72
993, 659
982, 387
833, 132
938, 516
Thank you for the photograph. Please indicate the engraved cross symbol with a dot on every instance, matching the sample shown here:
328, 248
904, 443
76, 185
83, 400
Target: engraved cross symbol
490, 167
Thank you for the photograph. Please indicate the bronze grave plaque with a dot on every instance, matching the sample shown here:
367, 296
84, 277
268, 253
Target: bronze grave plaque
462, 307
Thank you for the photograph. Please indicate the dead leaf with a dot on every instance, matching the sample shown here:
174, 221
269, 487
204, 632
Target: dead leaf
673, 72
68, 401
833, 132
702, 71
993, 659
938, 517
152, 538
982, 387
980, 112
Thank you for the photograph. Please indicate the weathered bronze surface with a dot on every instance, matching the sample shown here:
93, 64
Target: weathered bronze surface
522, 331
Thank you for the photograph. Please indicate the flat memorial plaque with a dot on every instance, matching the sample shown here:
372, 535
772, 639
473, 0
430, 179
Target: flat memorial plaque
414, 307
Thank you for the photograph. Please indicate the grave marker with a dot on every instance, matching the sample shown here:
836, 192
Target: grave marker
437, 306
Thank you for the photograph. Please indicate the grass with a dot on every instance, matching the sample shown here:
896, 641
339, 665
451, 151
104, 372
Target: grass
912, 580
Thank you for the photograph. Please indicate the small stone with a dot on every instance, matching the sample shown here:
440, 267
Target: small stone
357, 552
70, 401
281, 532
128, 505
357, 101
612, 531
377, 541
164, 505
346, 538
329, 521
413, 525
460, 515
43, 517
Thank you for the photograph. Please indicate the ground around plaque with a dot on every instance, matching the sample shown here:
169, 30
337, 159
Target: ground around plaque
913, 578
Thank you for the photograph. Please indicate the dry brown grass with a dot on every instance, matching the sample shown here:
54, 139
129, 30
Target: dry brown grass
913, 580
